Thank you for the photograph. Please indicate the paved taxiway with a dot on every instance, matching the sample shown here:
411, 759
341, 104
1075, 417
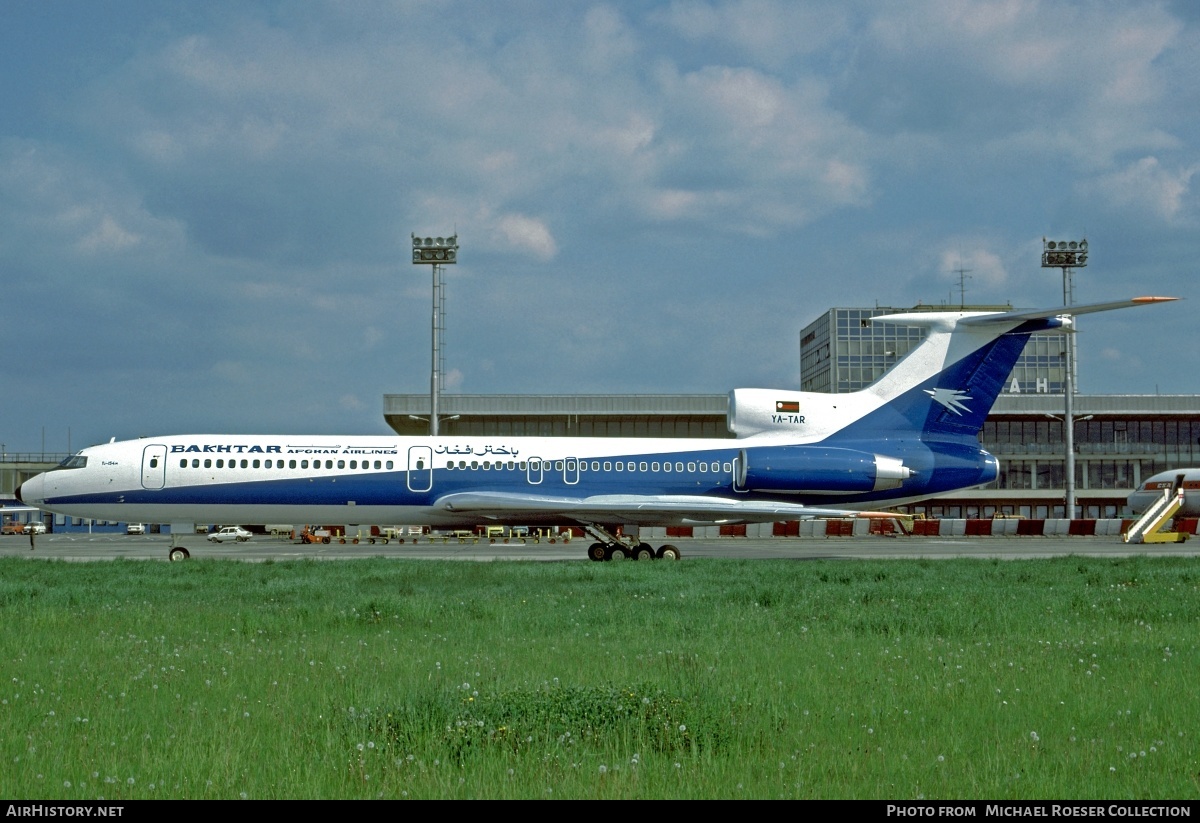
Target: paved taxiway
84, 547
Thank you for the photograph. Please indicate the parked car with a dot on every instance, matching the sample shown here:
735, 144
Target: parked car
36, 527
135, 528
230, 533
13, 527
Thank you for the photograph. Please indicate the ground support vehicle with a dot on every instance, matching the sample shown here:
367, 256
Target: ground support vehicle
326, 534
399, 534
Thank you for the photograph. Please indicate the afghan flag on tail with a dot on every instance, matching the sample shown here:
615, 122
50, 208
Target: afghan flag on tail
787, 405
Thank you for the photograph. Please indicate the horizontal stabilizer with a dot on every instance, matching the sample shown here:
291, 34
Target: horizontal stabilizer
1057, 311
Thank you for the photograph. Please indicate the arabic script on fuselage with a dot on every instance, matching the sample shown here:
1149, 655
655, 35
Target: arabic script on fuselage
477, 451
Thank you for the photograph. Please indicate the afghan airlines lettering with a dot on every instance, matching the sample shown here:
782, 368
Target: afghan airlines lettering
229, 448
951, 399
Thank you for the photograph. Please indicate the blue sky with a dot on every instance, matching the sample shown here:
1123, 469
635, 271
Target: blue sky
206, 208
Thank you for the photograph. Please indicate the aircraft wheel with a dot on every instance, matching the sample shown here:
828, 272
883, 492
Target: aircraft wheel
668, 552
178, 553
596, 551
644, 551
616, 553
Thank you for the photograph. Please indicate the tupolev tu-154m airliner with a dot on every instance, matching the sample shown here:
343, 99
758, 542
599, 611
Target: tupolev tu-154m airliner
910, 435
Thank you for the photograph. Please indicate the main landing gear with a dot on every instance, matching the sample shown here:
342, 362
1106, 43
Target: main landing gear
611, 547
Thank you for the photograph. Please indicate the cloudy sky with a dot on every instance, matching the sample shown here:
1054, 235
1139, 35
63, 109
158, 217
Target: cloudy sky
206, 208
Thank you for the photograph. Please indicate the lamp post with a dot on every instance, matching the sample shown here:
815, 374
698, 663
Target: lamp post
435, 252
1067, 255
1069, 469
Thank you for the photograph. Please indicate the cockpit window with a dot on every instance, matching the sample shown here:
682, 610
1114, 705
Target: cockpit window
75, 461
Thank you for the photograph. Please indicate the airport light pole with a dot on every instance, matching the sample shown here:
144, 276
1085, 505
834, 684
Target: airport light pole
435, 252
1067, 255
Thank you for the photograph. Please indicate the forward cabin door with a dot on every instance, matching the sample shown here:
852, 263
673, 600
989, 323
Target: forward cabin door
154, 467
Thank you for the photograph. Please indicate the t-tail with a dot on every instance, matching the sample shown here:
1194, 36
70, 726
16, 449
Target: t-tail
920, 422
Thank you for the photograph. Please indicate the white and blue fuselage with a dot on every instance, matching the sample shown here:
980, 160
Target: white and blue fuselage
910, 435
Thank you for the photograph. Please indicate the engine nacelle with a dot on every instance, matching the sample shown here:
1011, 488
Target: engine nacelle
818, 469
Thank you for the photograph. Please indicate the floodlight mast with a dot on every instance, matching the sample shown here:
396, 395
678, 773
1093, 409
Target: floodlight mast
435, 252
1067, 255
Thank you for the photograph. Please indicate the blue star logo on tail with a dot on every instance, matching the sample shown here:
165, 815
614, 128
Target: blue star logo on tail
951, 399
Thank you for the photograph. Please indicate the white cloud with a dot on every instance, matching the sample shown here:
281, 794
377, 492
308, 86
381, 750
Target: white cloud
1145, 185
527, 234
967, 264
108, 237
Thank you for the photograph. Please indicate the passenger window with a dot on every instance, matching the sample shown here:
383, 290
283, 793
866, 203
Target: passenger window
220, 463
195, 463
691, 467
654, 466
154, 462
304, 464
608, 465
666, 467
183, 464
728, 467
245, 463
354, 464
256, 464
678, 467
291, 464
208, 462
558, 465
595, 466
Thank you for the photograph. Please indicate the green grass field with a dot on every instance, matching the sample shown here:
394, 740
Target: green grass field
1064, 679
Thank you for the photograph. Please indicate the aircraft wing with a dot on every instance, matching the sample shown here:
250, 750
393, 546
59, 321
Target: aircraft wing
1058, 311
645, 510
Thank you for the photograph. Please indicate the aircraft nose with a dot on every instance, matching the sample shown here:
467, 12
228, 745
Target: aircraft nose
30, 492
